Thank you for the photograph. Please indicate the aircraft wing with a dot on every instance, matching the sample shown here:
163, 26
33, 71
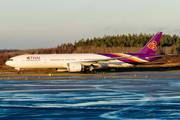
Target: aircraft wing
104, 60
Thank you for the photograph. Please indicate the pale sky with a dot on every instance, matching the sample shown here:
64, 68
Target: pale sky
31, 24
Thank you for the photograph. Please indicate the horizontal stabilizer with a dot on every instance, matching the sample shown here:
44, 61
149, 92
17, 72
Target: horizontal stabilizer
158, 56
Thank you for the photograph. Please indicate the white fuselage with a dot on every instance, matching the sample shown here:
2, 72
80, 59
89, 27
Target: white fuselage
57, 60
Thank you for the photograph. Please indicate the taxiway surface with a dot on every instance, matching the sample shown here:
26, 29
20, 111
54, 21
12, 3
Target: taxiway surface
87, 99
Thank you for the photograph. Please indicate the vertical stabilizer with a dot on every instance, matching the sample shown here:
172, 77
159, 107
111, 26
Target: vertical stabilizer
152, 45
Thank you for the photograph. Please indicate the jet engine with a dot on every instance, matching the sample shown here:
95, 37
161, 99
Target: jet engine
74, 67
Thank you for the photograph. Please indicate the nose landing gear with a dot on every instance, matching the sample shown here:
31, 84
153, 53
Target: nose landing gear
18, 71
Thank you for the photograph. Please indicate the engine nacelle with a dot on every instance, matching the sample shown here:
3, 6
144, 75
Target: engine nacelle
74, 67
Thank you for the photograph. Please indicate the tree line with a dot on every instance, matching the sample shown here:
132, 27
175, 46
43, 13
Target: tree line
129, 40
169, 44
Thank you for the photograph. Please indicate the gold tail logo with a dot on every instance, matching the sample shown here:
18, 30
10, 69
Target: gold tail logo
152, 45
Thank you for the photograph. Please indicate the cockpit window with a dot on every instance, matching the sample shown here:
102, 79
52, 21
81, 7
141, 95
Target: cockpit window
10, 60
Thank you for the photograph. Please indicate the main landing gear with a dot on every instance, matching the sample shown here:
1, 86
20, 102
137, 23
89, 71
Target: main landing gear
89, 72
88, 69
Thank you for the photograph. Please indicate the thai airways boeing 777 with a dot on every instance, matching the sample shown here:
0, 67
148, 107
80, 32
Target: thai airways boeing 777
87, 62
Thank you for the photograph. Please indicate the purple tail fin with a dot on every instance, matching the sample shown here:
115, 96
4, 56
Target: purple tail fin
152, 45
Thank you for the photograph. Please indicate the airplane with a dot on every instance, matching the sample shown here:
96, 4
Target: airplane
86, 63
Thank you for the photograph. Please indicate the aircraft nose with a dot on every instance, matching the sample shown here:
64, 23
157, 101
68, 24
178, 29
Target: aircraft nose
8, 63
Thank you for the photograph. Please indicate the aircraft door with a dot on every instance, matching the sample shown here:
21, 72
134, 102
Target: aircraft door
45, 62
21, 61
80, 59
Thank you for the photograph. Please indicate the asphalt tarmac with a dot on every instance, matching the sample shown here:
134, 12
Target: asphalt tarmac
87, 99
103, 75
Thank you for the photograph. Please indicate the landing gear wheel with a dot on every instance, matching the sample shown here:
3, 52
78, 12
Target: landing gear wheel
92, 72
18, 72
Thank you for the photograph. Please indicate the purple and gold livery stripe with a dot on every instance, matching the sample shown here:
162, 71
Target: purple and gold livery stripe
129, 59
